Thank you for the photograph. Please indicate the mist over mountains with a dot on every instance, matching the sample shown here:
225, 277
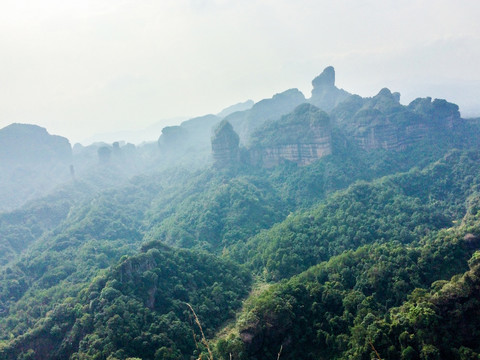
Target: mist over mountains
377, 122
333, 226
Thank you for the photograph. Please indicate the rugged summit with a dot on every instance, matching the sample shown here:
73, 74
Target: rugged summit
304, 135
325, 94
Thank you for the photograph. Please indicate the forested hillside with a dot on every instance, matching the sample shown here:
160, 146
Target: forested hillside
335, 227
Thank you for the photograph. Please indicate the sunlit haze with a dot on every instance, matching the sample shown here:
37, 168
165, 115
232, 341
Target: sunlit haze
81, 68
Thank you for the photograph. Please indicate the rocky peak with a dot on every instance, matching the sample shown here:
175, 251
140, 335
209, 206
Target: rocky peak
225, 145
386, 94
325, 94
325, 79
385, 101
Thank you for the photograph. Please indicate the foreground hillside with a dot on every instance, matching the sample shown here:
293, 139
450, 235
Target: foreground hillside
398, 219
329, 227
398, 300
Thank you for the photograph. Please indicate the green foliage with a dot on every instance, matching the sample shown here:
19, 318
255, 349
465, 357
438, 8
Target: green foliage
401, 208
138, 308
337, 308
92, 237
228, 211
86, 274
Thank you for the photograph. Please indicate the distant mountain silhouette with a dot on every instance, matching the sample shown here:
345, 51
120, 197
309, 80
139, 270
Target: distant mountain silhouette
27, 144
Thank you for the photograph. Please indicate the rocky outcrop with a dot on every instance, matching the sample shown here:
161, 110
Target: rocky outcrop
302, 154
225, 145
438, 112
389, 136
325, 95
381, 122
302, 137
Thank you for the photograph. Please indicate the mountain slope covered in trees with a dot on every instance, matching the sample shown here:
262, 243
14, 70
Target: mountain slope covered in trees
369, 246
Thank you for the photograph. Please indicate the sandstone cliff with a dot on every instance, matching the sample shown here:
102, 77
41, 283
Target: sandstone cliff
225, 147
302, 136
381, 122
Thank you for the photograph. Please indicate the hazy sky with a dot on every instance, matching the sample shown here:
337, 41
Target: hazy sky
84, 67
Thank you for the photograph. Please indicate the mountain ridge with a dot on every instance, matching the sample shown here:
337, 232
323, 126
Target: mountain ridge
291, 230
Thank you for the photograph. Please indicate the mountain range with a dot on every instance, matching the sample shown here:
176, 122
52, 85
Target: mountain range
329, 227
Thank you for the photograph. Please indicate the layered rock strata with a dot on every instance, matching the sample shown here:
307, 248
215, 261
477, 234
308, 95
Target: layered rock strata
225, 145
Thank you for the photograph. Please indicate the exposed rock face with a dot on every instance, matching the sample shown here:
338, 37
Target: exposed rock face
245, 122
225, 147
303, 137
302, 154
388, 136
381, 122
326, 79
325, 94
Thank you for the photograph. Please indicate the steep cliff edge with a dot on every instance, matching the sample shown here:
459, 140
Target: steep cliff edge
302, 136
225, 147
381, 122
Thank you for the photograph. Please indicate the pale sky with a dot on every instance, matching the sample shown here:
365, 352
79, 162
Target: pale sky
85, 67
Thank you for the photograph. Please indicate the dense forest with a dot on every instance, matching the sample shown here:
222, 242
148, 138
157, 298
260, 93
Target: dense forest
335, 227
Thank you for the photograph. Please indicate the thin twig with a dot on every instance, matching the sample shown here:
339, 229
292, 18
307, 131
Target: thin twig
376, 352
204, 340
280, 352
